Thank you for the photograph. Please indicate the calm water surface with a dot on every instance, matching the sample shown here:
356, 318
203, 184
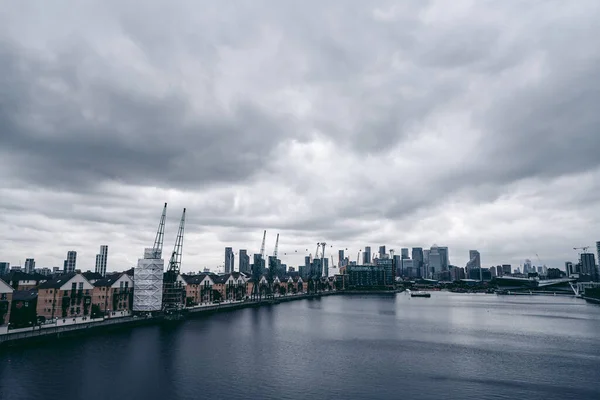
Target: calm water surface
451, 346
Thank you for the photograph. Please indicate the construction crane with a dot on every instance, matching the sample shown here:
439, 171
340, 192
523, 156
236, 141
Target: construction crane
584, 249
262, 246
160, 235
173, 289
276, 246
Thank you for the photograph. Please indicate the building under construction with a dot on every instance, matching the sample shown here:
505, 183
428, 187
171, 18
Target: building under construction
148, 276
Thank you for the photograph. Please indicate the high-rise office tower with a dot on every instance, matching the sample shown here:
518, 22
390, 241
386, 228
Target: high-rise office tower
404, 253
474, 259
340, 258
444, 257
70, 263
381, 251
29, 265
101, 260
229, 260
417, 257
367, 255
435, 262
588, 265
244, 263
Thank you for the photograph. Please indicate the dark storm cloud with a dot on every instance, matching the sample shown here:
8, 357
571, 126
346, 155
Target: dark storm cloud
127, 137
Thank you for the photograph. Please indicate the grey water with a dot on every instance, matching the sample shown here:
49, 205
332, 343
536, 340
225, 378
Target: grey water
449, 346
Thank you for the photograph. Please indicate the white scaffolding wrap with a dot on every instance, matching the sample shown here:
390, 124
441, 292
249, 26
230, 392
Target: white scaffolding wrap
148, 280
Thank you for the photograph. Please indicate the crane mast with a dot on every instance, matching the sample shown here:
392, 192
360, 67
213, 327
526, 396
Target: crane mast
276, 247
173, 290
262, 246
160, 235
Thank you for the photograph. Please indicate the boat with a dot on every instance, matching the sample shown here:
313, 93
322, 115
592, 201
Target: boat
420, 294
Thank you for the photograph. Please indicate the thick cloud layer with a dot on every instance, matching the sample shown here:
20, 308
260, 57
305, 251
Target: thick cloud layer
466, 124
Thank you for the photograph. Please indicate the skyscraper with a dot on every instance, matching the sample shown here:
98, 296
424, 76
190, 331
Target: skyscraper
244, 263
444, 258
340, 258
70, 263
474, 259
229, 260
435, 262
404, 253
29, 265
417, 256
367, 255
381, 251
588, 266
101, 260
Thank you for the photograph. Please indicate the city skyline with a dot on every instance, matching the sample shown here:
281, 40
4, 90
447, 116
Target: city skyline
365, 125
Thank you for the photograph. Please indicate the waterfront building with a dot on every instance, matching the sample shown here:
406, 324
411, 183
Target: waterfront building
506, 269
101, 260
229, 257
365, 276
66, 296
23, 281
23, 309
199, 289
6, 293
569, 268
113, 294
588, 266
388, 267
148, 279
29, 266
70, 264
244, 262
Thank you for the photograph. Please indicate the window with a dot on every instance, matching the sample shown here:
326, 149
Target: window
80, 285
122, 284
74, 286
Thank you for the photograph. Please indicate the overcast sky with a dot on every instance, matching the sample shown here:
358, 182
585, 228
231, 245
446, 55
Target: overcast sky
469, 124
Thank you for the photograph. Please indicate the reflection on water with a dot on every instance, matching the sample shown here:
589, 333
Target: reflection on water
353, 347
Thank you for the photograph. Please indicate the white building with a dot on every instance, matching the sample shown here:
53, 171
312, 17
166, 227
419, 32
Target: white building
148, 280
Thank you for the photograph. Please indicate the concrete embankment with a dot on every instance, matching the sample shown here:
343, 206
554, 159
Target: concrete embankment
47, 333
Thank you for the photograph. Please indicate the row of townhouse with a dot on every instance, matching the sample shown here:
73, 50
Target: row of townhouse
26, 299
208, 288
69, 297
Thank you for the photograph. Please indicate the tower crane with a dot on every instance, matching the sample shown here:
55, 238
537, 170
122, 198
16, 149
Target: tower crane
358, 258
584, 249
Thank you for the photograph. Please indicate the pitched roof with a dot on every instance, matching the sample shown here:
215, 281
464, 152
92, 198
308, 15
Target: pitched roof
194, 279
108, 280
22, 276
57, 282
220, 278
92, 275
24, 295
